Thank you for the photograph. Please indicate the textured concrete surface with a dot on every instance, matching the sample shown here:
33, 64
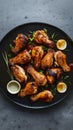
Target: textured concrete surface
60, 14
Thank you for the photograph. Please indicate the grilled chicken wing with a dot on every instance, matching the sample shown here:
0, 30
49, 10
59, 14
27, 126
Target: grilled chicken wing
19, 43
19, 73
53, 74
37, 54
29, 89
22, 58
42, 38
60, 58
47, 61
40, 79
45, 96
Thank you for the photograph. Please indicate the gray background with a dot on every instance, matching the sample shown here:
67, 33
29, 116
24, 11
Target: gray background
55, 12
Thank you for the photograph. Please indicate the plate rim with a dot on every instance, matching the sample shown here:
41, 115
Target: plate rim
26, 106
35, 107
14, 28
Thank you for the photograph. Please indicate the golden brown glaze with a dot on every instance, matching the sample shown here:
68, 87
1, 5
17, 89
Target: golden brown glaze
42, 38
60, 58
19, 73
47, 60
45, 96
40, 79
29, 89
37, 54
19, 43
22, 58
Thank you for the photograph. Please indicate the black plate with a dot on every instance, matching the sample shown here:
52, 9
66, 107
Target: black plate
4, 77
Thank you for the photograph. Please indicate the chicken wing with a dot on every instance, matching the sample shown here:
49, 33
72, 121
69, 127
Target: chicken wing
19, 43
53, 74
29, 89
37, 54
42, 38
22, 58
60, 58
40, 79
45, 96
19, 73
47, 61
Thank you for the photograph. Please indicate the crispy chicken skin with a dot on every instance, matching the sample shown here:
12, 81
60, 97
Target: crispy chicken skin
42, 38
19, 73
60, 58
40, 79
29, 89
53, 74
22, 58
47, 61
19, 43
37, 54
45, 95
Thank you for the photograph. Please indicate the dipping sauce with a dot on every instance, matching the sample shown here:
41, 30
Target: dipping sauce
13, 87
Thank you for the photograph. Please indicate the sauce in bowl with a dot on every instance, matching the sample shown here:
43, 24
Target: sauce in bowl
13, 87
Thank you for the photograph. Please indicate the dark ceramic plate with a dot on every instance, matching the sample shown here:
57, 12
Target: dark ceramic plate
4, 77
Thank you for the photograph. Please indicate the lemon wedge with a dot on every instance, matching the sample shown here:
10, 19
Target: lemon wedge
61, 44
61, 87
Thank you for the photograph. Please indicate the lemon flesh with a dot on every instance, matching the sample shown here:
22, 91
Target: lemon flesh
61, 87
61, 44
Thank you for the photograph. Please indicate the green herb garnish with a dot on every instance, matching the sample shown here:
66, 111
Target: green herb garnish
66, 77
31, 32
31, 38
5, 57
41, 71
11, 46
54, 91
9, 55
28, 75
45, 30
63, 78
45, 48
46, 86
30, 51
53, 36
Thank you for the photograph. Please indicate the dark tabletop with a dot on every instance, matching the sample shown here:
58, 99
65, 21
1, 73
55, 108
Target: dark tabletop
55, 12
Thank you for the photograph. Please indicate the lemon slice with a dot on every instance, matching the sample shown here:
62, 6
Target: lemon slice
61, 87
61, 44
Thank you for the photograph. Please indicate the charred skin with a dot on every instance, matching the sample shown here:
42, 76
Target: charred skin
53, 74
40, 37
45, 96
40, 79
22, 58
29, 89
19, 43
